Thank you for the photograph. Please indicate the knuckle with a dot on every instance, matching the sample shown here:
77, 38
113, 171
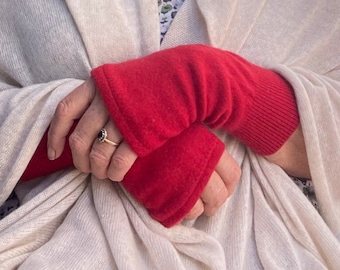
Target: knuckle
195, 212
76, 142
120, 162
81, 167
115, 176
218, 199
64, 108
99, 157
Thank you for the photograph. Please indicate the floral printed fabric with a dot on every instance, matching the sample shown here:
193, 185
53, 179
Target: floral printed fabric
9, 206
167, 11
307, 187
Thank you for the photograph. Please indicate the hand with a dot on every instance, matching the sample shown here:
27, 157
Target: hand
292, 156
220, 187
89, 155
208, 86
106, 161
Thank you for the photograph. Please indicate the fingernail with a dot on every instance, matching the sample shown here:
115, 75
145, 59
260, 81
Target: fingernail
51, 153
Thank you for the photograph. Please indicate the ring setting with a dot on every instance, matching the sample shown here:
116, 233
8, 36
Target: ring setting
102, 137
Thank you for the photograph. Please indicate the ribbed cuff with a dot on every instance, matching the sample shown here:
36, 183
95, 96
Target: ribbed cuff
272, 117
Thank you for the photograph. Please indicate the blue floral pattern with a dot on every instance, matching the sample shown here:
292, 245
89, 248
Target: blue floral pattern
167, 11
307, 187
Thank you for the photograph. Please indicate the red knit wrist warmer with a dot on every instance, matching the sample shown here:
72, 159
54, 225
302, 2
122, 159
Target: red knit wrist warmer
40, 165
168, 181
154, 98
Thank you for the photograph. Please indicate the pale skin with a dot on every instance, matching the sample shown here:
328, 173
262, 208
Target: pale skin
292, 156
113, 162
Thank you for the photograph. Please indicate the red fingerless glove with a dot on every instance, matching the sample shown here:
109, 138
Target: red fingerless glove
154, 98
40, 165
168, 181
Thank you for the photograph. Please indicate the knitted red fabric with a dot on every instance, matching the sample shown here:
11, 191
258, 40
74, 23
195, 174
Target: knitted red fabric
168, 181
154, 98
40, 165
158, 97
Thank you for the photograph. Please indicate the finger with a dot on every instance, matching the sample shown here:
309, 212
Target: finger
67, 111
214, 194
196, 211
85, 133
229, 171
101, 153
121, 162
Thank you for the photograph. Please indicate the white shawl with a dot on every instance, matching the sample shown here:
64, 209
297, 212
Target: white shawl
69, 220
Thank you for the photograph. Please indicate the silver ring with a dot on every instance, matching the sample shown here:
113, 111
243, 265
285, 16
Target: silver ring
102, 137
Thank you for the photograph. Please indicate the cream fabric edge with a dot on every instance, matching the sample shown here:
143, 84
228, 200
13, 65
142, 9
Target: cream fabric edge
261, 221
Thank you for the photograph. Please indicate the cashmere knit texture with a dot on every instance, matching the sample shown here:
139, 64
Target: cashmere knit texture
177, 172
231, 93
70, 221
202, 84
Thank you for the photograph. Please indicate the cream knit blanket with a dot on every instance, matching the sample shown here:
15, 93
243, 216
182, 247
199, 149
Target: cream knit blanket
72, 221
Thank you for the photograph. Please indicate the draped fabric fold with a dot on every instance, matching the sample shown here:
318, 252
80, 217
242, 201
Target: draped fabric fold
70, 220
